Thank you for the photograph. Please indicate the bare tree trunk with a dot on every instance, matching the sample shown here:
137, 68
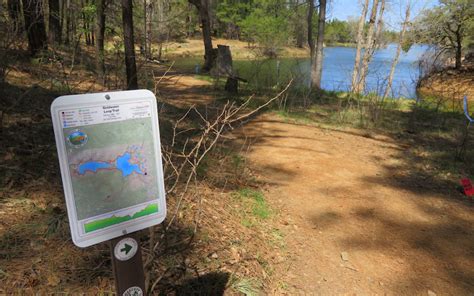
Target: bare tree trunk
310, 27
130, 63
68, 22
299, 25
189, 22
317, 58
161, 27
399, 49
14, 12
34, 25
459, 39
61, 16
369, 46
54, 22
360, 45
100, 35
148, 27
209, 55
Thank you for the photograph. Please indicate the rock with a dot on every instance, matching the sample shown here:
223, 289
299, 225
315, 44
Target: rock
214, 255
235, 254
345, 256
431, 293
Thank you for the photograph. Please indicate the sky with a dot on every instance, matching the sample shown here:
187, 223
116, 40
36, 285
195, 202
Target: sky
343, 9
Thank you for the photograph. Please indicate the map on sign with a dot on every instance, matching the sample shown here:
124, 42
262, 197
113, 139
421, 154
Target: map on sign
111, 165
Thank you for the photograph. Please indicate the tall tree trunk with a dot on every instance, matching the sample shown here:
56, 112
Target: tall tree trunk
130, 64
148, 5
209, 55
189, 22
310, 27
161, 26
14, 12
100, 27
360, 45
85, 23
61, 16
34, 25
68, 22
459, 39
399, 49
54, 22
317, 59
368, 48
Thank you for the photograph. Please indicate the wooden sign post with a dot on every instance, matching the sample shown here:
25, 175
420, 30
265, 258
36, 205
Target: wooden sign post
127, 265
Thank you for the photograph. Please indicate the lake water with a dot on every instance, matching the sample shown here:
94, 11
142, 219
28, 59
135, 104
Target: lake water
337, 70
93, 166
122, 163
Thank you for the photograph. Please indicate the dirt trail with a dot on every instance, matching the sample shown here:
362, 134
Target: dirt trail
355, 220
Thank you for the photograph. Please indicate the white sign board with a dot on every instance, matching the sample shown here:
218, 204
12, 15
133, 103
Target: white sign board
110, 158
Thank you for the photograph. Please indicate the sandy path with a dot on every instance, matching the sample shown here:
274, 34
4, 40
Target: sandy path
344, 195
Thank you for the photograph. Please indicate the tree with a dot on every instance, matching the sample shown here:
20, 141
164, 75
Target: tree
100, 36
34, 25
360, 44
148, 22
373, 35
203, 9
399, 49
266, 25
317, 53
14, 12
54, 22
447, 26
130, 63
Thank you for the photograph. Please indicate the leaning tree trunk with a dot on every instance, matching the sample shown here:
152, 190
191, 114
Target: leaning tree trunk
364, 67
372, 38
68, 21
360, 44
317, 59
100, 36
130, 64
209, 54
54, 22
34, 25
399, 49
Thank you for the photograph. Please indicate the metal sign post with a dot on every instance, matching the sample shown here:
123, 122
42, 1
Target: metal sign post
110, 158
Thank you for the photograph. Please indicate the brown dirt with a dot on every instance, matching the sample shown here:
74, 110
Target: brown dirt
240, 50
345, 195
450, 84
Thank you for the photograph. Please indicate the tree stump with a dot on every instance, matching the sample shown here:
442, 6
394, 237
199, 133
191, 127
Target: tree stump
223, 68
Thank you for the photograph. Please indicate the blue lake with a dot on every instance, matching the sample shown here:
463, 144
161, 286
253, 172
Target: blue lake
338, 64
93, 166
124, 165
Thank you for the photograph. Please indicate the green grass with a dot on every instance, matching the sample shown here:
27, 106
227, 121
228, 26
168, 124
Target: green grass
247, 286
103, 223
258, 205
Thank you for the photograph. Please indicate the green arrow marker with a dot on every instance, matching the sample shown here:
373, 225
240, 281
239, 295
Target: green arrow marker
126, 249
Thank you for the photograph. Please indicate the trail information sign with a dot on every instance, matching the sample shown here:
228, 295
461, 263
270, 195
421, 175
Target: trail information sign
109, 154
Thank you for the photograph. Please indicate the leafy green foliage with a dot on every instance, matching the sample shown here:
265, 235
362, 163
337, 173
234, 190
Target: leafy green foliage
338, 32
267, 29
